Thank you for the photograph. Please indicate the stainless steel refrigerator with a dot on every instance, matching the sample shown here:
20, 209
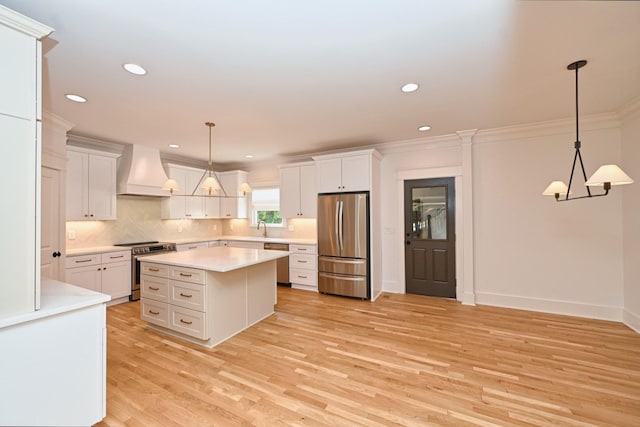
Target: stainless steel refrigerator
343, 244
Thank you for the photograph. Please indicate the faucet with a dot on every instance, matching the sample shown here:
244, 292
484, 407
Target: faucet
264, 226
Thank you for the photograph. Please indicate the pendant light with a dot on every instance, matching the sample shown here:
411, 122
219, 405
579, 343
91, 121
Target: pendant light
606, 176
209, 182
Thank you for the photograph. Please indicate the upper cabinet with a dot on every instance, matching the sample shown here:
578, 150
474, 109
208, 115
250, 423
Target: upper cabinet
235, 206
178, 206
298, 190
91, 184
20, 112
346, 172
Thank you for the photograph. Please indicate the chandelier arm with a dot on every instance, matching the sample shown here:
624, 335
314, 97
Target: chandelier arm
573, 168
584, 174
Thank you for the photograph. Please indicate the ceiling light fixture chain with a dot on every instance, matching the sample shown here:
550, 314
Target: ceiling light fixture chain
605, 176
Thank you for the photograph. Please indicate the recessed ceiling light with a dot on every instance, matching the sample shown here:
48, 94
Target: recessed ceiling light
174, 146
75, 98
135, 69
424, 128
410, 87
248, 156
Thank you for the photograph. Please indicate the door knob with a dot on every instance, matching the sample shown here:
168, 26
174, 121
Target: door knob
408, 242
56, 254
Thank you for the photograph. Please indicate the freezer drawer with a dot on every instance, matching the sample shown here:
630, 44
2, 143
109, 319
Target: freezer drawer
350, 266
350, 286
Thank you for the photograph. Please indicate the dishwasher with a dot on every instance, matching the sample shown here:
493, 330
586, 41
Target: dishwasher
283, 263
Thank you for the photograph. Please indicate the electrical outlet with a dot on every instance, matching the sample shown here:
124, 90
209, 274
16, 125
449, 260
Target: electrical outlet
179, 228
215, 227
71, 234
290, 227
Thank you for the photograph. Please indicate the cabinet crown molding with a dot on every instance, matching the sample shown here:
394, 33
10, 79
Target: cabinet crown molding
24, 24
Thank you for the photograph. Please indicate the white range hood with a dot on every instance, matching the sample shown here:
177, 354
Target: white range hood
140, 172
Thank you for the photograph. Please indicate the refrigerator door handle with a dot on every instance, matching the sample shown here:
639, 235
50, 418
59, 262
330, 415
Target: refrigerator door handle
336, 224
340, 227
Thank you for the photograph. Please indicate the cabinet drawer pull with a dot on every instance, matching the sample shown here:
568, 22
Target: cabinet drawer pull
301, 261
185, 274
115, 257
193, 247
154, 289
83, 260
186, 322
154, 312
185, 295
301, 277
154, 269
302, 249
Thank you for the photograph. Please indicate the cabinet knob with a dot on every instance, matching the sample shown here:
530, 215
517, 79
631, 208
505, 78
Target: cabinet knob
56, 254
91, 215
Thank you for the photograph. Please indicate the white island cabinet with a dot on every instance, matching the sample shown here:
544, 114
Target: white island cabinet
207, 295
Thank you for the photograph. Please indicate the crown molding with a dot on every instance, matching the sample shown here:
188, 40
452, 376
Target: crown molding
551, 127
24, 24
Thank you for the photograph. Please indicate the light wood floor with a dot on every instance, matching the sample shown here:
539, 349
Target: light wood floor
403, 360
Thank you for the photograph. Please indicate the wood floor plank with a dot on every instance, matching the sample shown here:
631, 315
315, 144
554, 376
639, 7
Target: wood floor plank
403, 360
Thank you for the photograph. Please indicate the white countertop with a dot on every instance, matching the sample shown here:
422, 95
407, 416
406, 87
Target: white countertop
220, 259
104, 249
55, 298
95, 250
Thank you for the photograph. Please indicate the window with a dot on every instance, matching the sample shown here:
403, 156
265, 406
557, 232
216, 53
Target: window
265, 206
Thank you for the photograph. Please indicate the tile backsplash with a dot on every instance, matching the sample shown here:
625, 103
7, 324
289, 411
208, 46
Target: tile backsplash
139, 220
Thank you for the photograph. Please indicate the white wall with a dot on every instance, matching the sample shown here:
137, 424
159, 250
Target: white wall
532, 252
631, 213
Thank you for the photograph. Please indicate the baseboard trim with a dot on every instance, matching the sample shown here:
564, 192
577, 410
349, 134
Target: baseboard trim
631, 319
590, 311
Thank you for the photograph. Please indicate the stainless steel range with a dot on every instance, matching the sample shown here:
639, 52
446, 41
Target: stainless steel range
140, 250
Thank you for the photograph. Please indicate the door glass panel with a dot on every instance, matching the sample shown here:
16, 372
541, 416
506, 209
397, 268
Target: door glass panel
429, 213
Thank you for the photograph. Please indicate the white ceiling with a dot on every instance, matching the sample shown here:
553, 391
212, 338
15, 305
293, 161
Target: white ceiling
286, 77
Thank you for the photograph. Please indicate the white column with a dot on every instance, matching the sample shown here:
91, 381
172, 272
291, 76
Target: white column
467, 273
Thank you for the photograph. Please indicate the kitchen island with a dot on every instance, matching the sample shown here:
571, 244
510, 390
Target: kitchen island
207, 295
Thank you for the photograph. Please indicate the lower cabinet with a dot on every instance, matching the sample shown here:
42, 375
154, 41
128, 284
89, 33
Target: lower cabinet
174, 298
108, 273
303, 267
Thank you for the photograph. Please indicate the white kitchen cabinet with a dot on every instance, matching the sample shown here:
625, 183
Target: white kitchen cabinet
20, 112
233, 207
303, 267
91, 184
298, 195
344, 172
178, 206
108, 273
189, 246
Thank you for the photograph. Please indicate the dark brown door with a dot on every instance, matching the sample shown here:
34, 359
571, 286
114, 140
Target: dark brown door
429, 206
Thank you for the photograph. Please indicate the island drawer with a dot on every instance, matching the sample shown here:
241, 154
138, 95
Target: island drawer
303, 261
303, 277
188, 295
184, 274
189, 322
302, 249
83, 260
156, 288
158, 270
154, 312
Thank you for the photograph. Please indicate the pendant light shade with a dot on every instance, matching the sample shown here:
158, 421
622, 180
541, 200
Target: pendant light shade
611, 174
171, 185
556, 187
605, 176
